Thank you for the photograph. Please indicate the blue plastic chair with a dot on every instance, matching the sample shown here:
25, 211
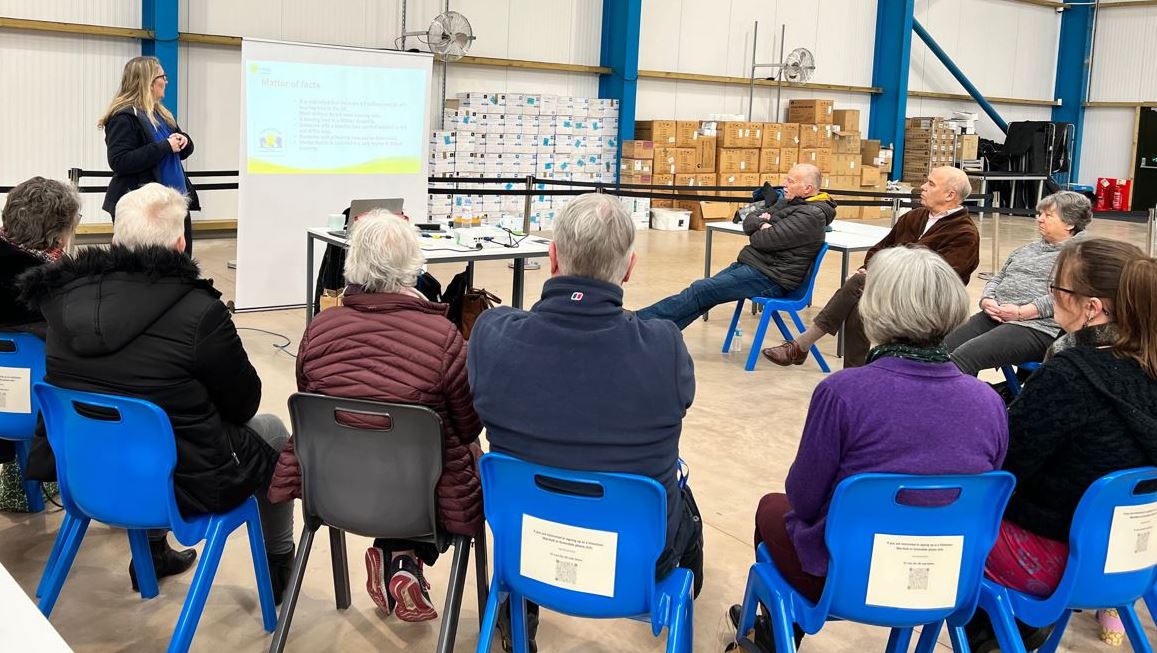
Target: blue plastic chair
862, 507
114, 462
791, 303
1012, 380
23, 351
633, 508
1084, 585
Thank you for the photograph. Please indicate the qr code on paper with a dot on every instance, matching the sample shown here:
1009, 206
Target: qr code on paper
918, 578
1142, 542
565, 572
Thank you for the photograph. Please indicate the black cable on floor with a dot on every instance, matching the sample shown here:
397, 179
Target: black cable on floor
284, 347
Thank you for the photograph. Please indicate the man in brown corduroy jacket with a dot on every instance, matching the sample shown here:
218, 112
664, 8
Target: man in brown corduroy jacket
942, 225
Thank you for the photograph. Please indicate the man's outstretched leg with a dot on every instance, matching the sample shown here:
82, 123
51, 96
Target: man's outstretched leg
737, 281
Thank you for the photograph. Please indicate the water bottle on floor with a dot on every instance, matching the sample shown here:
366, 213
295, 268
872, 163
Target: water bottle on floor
737, 340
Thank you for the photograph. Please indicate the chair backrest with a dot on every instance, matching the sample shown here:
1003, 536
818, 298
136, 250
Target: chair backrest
581, 543
804, 292
21, 365
1112, 542
375, 482
908, 550
114, 457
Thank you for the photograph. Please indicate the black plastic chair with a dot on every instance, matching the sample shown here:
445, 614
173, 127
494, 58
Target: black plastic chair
373, 482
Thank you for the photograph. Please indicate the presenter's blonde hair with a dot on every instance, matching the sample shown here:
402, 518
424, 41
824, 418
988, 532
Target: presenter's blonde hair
136, 91
384, 255
152, 215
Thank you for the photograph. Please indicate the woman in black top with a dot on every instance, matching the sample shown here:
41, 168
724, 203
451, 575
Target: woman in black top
144, 142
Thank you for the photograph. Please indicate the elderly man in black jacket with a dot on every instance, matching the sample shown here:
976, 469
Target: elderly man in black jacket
784, 243
137, 320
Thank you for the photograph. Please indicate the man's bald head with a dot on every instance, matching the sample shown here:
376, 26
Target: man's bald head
803, 180
946, 188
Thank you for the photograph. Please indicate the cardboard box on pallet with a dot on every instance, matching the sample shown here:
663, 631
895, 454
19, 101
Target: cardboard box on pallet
673, 160
769, 160
848, 120
809, 136
810, 111
662, 132
638, 149
705, 153
731, 160
686, 133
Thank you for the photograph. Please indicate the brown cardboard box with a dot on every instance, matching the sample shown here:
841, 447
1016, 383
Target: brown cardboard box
638, 149
925, 123
743, 180
731, 160
673, 160
628, 166
634, 178
704, 212
705, 153
685, 132
809, 136
663, 180
790, 131
846, 165
696, 179
848, 120
775, 179
740, 134
821, 159
845, 182
813, 111
826, 139
662, 132
869, 175
847, 142
967, 146
772, 136
788, 157
870, 152
769, 160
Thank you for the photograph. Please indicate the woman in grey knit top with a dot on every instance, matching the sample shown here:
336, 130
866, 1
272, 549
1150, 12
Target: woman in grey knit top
1015, 323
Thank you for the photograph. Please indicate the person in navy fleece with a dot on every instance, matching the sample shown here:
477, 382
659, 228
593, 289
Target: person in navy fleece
577, 382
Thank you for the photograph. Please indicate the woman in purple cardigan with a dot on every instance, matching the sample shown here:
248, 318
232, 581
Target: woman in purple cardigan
909, 411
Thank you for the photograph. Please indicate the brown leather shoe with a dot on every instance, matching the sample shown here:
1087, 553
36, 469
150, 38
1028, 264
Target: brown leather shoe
786, 354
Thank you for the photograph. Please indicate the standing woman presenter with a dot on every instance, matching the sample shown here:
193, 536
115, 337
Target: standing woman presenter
144, 142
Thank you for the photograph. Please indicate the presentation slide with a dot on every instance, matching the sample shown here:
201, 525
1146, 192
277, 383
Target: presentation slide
307, 118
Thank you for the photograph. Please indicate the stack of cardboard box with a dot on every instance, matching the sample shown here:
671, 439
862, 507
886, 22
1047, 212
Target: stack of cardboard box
928, 143
637, 167
514, 135
779, 151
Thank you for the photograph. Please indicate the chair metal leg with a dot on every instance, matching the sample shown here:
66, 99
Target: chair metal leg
260, 557
32, 489
143, 562
289, 603
450, 612
757, 341
734, 323
928, 635
1133, 629
481, 573
58, 572
199, 589
341, 568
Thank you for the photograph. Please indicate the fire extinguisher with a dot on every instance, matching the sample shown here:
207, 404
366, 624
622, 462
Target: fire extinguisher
1117, 197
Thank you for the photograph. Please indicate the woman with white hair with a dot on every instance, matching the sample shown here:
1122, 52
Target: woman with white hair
910, 410
1015, 323
387, 342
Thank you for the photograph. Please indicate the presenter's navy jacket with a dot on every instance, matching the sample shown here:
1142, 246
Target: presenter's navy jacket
135, 157
142, 323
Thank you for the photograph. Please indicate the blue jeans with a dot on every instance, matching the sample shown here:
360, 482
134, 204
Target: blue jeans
737, 281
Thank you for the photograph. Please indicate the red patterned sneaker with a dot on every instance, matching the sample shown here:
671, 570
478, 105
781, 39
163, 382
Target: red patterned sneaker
376, 580
408, 588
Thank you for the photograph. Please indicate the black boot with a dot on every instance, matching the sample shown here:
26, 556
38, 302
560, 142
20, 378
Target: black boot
280, 566
166, 561
506, 631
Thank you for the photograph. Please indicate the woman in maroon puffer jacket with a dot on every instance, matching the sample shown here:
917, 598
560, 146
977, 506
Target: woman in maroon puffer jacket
388, 343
